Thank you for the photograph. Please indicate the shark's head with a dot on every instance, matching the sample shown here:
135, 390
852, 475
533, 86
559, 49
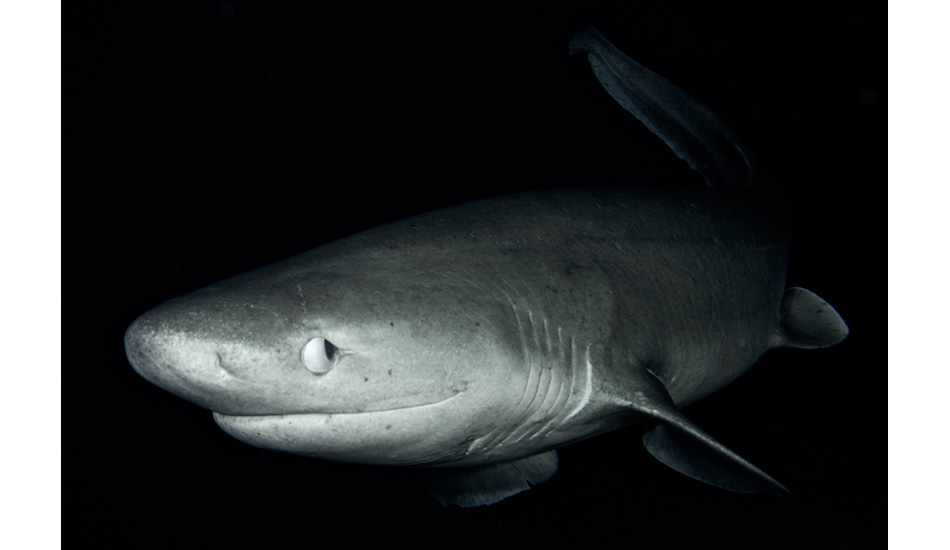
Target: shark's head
376, 357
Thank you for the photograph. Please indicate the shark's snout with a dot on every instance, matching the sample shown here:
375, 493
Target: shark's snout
176, 347
231, 359
175, 361
140, 340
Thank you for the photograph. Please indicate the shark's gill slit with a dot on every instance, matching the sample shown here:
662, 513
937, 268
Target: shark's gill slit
319, 355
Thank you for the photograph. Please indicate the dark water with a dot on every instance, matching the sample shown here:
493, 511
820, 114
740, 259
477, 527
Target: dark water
218, 136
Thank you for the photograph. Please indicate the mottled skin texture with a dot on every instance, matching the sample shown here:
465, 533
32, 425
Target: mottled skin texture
471, 328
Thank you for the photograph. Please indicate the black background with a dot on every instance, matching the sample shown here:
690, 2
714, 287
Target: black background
210, 138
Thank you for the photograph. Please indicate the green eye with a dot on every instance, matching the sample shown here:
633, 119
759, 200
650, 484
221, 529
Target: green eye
319, 356
329, 349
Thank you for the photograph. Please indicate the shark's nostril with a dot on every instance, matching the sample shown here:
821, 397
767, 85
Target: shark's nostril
223, 371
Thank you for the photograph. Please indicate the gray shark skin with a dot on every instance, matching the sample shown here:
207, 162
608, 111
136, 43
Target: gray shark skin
480, 338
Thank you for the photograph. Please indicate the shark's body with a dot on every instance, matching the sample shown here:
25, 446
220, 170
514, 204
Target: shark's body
482, 337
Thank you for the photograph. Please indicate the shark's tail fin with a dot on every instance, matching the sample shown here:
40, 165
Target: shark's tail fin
693, 131
808, 321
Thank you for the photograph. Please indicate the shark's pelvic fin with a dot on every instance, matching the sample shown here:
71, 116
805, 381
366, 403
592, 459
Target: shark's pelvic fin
809, 322
681, 445
483, 485
693, 131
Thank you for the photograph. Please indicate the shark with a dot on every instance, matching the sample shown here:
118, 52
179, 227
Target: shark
474, 341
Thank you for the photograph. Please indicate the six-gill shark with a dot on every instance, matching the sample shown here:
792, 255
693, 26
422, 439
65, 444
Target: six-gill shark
480, 338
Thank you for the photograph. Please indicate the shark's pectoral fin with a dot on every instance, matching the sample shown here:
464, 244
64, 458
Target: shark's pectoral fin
694, 132
683, 446
483, 485
694, 453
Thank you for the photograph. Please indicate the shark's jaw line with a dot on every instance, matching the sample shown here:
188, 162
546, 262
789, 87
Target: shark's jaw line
387, 432
278, 416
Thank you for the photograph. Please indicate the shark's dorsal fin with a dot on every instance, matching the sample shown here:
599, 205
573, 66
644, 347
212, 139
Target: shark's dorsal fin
809, 322
483, 485
681, 445
693, 131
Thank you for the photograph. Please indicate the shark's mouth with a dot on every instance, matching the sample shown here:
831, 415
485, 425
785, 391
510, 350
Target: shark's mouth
389, 436
375, 409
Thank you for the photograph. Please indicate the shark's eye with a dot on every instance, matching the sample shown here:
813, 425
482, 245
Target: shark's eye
319, 356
